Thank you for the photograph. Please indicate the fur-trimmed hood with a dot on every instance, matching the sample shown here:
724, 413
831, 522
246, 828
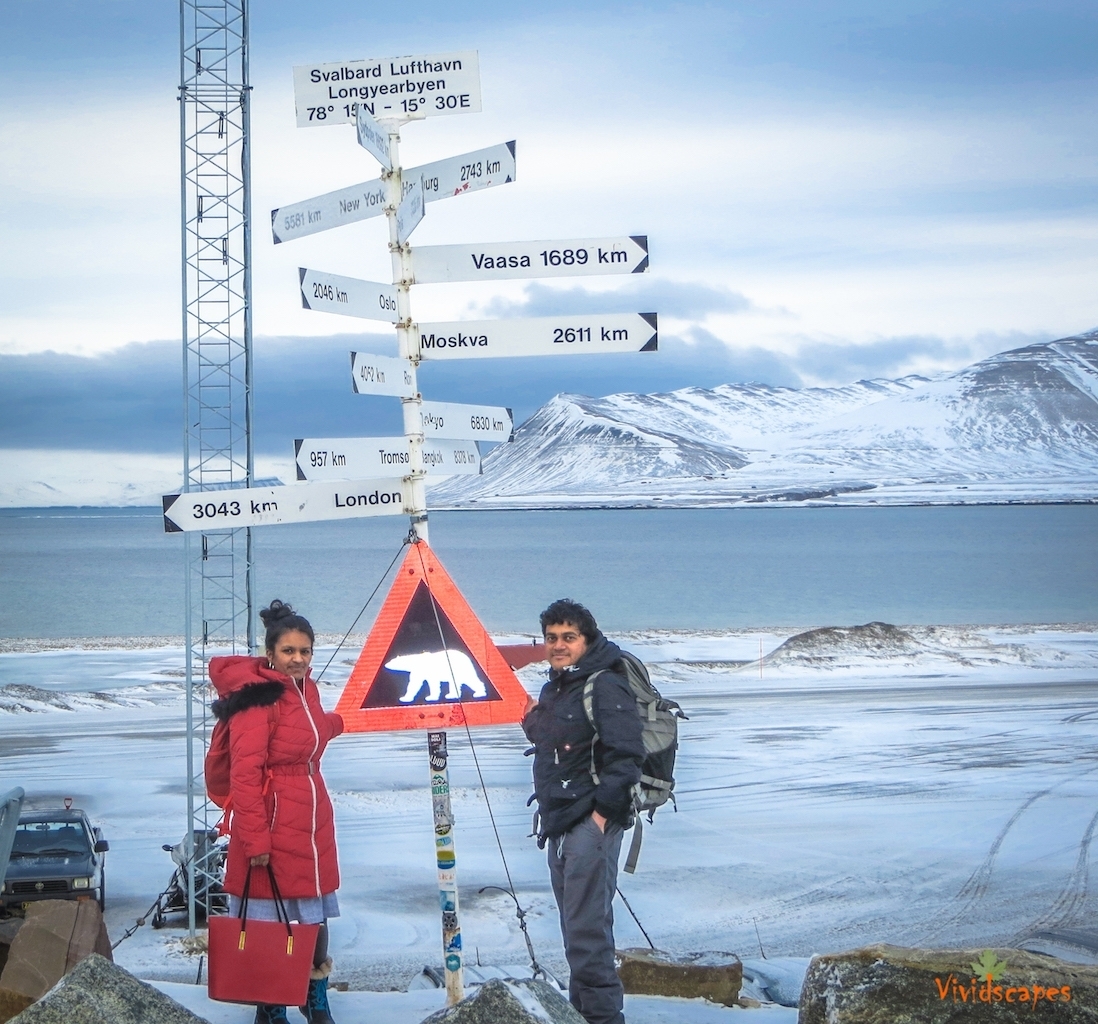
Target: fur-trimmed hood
243, 683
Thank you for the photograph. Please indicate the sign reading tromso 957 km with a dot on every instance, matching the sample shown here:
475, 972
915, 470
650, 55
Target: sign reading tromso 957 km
422, 85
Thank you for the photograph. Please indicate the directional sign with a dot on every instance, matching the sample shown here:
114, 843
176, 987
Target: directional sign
494, 261
469, 172
349, 296
340, 458
410, 211
467, 422
426, 84
540, 336
298, 503
372, 137
428, 663
454, 176
381, 375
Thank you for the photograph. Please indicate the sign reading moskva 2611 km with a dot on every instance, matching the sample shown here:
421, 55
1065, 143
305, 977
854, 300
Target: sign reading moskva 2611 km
426, 84
497, 261
299, 503
539, 336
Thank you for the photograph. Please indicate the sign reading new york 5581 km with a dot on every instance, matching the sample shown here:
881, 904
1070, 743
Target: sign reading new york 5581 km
427, 84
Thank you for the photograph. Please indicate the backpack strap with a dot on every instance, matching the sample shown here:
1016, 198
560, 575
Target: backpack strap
589, 711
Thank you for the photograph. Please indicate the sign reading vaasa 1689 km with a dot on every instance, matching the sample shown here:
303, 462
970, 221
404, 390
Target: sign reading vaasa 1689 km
539, 336
337, 458
333, 293
495, 261
454, 176
426, 84
298, 503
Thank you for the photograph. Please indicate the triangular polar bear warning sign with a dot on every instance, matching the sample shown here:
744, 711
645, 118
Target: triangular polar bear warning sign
428, 663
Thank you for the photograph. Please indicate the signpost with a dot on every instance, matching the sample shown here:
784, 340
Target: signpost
425, 84
296, 503
348, 296
381, 375
428, 663
467, 422
502, 261
454, 176
343, 458
372, 137
410, 212
539, 336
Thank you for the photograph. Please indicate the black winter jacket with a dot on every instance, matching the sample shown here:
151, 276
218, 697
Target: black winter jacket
562, 737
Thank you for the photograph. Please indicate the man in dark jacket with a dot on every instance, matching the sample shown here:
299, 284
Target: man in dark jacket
583, 783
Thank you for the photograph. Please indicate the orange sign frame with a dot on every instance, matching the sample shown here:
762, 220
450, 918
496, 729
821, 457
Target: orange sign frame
421, 566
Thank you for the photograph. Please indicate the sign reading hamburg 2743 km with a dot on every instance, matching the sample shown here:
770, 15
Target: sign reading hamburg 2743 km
421, 85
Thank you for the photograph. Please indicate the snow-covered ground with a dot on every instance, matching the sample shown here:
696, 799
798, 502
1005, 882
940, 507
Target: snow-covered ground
914, 786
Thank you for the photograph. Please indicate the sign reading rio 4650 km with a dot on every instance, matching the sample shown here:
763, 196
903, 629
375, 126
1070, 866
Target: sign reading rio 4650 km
426, 84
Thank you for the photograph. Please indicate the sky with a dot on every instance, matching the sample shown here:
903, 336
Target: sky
831, 190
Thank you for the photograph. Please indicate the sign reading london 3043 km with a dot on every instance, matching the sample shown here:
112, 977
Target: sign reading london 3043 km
425, 84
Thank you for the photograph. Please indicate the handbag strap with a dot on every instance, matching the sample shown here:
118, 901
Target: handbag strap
281, 913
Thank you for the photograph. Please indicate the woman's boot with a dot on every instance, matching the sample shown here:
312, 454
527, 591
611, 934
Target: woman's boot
265, 1013
316, 1007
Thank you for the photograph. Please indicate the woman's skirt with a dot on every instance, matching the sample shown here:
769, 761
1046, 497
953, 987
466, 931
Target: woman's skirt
306, 910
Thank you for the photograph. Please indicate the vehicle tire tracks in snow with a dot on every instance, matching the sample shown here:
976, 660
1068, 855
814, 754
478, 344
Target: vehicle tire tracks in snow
1068, 906
977, 885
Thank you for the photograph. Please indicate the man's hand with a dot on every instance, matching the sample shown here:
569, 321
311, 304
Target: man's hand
599, 820
261, 861
531, 703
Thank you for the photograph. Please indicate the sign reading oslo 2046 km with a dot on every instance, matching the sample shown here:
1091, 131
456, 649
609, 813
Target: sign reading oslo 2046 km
427, 84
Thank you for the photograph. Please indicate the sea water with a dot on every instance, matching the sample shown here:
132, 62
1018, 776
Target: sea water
114, 572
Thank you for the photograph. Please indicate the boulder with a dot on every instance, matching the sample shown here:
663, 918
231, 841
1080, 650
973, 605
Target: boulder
892, 985
97, 991
8, 927
55, 936
650, 972
515, 1001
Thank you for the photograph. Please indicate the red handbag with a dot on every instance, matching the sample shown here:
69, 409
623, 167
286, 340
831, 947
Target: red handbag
260, 961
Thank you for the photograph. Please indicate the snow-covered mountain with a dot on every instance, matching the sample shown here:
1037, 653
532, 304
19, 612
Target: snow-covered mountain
1019, 426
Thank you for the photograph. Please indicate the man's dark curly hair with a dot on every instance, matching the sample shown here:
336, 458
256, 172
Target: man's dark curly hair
567, 612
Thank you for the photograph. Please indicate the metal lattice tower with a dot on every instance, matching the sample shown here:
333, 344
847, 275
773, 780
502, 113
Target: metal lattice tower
215, 217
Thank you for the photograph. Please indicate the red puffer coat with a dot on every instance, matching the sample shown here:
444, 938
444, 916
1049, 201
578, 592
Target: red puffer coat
277, 734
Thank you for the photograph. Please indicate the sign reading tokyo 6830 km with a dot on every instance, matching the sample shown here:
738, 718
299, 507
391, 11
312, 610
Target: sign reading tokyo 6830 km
424, 85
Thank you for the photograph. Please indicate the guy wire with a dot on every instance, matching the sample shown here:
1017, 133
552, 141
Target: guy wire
384, 575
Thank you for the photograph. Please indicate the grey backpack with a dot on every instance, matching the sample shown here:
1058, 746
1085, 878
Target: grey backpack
660, 731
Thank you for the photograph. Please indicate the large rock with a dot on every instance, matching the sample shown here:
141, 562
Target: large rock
523, 1001
651, 972
891, 985
55, 936
97, 991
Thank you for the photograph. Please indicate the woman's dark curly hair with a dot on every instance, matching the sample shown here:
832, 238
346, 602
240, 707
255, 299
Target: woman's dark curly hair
279, 619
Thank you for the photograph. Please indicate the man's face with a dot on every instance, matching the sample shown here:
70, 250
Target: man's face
564, 645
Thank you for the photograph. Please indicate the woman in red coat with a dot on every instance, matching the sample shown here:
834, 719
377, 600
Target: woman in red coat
280, 811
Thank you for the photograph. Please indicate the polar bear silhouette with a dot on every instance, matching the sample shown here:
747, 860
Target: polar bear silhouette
435, 669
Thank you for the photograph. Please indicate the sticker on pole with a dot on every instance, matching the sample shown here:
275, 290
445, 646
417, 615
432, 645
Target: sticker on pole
428, 663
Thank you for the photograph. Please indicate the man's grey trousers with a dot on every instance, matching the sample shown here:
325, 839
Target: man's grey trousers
583, 867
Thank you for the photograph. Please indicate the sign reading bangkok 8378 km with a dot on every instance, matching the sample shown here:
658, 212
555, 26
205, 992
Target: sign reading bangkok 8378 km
422, 85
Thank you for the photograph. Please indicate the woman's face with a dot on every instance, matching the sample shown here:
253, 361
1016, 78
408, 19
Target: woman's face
292, 655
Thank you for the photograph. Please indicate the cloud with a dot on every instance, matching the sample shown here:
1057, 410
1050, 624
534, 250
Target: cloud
832, 363
681, 300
